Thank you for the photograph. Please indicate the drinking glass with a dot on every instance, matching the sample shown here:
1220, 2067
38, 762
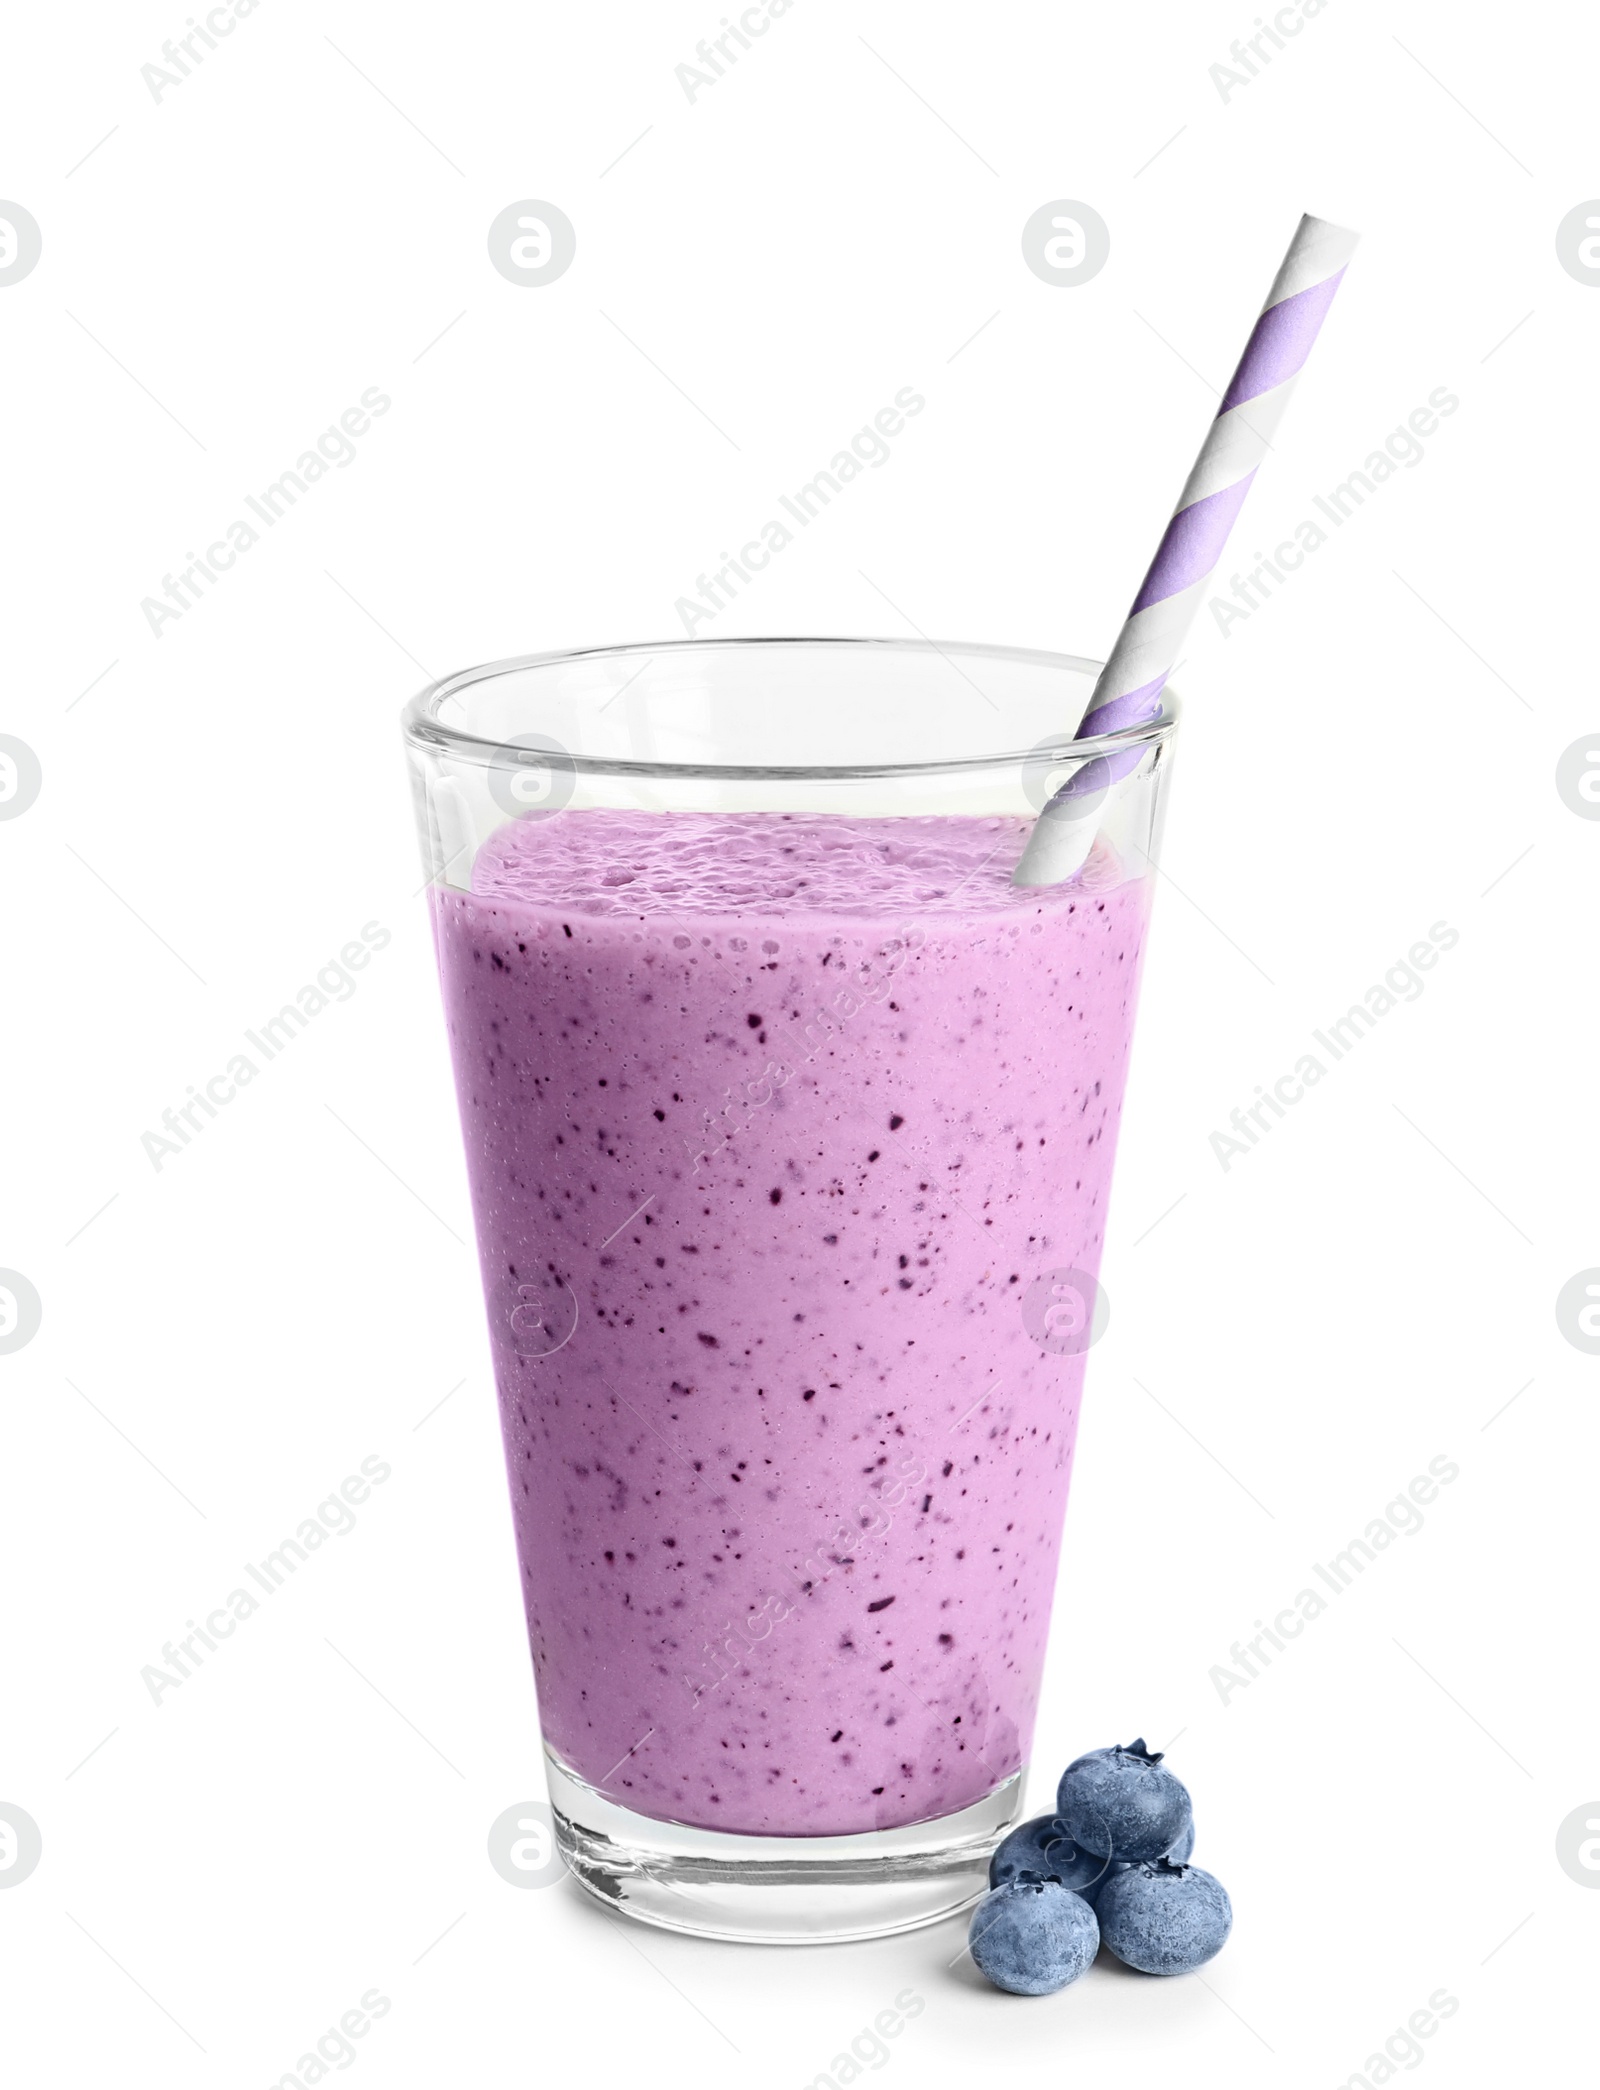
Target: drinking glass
789, 1125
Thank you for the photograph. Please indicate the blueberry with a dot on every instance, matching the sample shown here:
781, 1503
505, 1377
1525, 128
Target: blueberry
1025, 1850
1164, 1918
1183, 1850
1043, 1847
1032, 1936
1122, 1801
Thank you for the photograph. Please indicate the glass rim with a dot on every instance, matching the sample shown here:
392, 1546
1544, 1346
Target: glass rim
425, 730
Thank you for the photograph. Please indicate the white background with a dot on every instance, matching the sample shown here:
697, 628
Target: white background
224, 806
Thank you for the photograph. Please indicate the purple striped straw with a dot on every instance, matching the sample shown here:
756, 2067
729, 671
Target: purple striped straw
1129, 687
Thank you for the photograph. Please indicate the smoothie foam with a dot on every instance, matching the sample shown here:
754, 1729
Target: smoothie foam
770, 1121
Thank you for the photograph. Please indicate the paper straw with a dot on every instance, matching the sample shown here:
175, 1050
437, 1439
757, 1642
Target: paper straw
1129, 687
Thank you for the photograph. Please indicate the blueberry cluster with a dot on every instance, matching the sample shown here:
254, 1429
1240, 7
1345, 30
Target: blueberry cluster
1110, 1865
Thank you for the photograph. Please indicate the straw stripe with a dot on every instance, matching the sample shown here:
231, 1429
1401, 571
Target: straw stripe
1282, 340
1129, 687
1129, 709
1191, 545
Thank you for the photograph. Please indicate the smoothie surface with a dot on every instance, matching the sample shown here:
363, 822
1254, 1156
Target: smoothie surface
766, 864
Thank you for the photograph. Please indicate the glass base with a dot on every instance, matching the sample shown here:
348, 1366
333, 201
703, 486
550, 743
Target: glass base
776, 1890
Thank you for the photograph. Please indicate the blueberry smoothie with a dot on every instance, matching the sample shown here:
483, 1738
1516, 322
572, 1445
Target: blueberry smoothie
772, 1122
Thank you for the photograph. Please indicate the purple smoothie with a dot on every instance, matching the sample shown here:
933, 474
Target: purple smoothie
771, 1121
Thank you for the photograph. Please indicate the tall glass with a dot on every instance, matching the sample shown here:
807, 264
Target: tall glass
789, 1122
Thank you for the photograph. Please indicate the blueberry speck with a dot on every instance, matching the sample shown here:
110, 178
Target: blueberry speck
880, 1604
